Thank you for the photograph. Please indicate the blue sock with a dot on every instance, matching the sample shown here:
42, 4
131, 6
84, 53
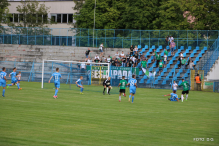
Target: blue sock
133, 98
56, 92
81, 89
18, 86
9, 84
130, 96
3, 92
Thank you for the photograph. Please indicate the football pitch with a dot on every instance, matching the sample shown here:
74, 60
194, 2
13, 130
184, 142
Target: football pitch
33, 117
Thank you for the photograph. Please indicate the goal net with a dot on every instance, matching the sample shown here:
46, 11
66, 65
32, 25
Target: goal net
93, 74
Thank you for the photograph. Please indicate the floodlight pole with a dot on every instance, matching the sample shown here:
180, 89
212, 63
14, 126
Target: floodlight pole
94, 21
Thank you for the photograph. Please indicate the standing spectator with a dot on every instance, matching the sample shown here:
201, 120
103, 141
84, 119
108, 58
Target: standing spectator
130, 62
101, 49
136, 58
171, 39
124, 62
166, 52
172, 45
160, 66
117, 54
188, 64
153, 57
165, 59
191, 65
183, 62
136, 49
167, 39
144, 64
181, 54
133, 59
180, 62
131, 50
158, 58
122, 54
109, 59
113, 62
198, 82
88, 52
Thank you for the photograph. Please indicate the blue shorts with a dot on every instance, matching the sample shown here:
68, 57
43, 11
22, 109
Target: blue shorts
79, 85
13, 81
172, 49
19, 80
2, 83
101, 50
57, 84
165, 62
132, 90
173, 99
86, 56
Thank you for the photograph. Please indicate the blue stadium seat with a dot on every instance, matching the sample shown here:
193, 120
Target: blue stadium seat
168, 65
146, 46
139, 46
157, 69
167, 47
145, 77
164, 82
149, 60
148, 82
165, 70
141, 81
153, 47
171, 61
182, 47
156, 81
197, 48
180, 82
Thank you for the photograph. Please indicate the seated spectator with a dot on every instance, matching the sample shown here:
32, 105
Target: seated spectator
109, 59
83, 67
160, 66
89, 60
172, 45
165, 60
158, 58
183, 62
117, 62
96, 58
136, 58
136, 49
124, 61
113, 62
191, 65
131, 50
117, 54
122, 54
103, 59
144, 64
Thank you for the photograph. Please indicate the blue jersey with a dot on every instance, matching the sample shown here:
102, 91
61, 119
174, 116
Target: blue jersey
132, 83
173, 97
56, 76
79, 81
13, 75
2, 75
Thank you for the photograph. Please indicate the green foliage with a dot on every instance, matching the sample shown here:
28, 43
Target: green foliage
4, 12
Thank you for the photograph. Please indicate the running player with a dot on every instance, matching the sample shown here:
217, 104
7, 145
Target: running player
56, 77
3, 80
174, 86
186, 87
79, 84
122, 85
106, 84
13, 76
174, 96
133, 85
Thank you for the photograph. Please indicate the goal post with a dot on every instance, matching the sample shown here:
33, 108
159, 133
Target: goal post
71, 71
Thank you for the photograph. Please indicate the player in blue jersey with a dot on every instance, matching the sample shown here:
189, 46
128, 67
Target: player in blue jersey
3, 80
133, 85
56, 77
79, 84
174, 96
14, 81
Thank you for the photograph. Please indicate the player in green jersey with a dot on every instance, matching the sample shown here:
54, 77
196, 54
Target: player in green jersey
122, 85
186, 88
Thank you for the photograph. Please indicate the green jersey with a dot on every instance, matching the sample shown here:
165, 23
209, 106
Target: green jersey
166, 52
158, 57
183, 61
123, 84
185, 85
143, 63
161, 64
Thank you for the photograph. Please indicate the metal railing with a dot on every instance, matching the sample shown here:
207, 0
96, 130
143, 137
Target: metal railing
111, 38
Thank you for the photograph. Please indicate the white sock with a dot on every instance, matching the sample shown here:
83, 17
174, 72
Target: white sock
182, 98
120, 98
187, 96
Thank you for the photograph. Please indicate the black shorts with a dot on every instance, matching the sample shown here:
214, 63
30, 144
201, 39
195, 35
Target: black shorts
185, 92
122, 90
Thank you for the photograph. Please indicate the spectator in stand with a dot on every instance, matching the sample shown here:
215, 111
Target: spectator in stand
166, 52
180, 61
158, 58
89, 60
101, 49
167, 39
172, 45
79, 65
109, 59
117, 54
183, 62
188, 62
88, 52
191, 65
136, 58
171, 39
122, 54
144, 64
160, 66
136, 49
130, 63
113, 62
133, 59
131, 50
83, 67
181, 54
153, 57
124, 61
164, 60
103, 59
96, 58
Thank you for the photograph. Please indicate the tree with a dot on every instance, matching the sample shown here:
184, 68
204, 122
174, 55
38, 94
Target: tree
204, 12
33, 14
4, 12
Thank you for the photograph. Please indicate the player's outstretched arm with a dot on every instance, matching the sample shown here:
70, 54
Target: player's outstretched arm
127, 84
177, 99
136, 85
167, 95
50, 79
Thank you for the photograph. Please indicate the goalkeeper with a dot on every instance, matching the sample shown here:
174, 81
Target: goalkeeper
106, 84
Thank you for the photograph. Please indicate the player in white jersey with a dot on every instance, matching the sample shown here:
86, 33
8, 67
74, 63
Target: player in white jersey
174, 86
19, 77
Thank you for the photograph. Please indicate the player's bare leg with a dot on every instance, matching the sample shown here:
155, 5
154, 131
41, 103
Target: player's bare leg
104, 90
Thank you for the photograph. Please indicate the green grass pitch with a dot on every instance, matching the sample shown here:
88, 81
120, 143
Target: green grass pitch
32, 117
